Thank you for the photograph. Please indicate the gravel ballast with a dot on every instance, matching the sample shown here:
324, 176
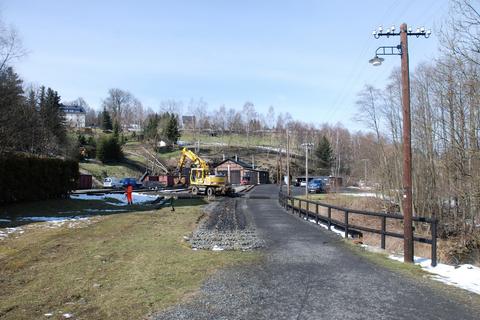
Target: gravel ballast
226, 226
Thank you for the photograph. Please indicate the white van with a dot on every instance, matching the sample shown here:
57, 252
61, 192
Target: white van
112, 182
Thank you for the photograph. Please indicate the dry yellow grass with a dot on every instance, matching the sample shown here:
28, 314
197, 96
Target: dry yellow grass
121, 267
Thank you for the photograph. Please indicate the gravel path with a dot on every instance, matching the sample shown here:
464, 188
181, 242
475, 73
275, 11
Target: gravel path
308, 274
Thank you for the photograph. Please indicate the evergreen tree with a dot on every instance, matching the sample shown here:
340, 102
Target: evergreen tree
116, 129
324, 155
171, 131
52, 116
108, 149
150, 130
106, 120
11, 115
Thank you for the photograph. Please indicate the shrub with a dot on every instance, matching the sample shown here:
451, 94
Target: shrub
108, 149
29, 178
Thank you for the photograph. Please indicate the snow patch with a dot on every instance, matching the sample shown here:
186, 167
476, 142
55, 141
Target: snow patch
364, 194
138, 198
217, 248
334, 229
5, 233
465, 276
52, 219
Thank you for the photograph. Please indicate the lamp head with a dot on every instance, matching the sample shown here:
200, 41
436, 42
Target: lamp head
376, 61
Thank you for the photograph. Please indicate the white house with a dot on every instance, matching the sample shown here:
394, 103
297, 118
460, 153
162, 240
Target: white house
74, 116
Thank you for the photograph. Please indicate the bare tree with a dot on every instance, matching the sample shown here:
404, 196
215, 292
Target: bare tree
11, 47
120, 103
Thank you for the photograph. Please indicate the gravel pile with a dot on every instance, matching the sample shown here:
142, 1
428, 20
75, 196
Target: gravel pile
227, 226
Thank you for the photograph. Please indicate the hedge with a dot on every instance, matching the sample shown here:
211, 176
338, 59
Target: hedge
24, 178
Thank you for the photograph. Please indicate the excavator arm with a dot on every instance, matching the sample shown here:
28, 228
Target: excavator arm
188, 154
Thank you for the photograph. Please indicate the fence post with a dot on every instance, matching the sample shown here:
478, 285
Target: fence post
433, 226
346, 224
299, 208
316, 214
384, 229
329, 218
307, 213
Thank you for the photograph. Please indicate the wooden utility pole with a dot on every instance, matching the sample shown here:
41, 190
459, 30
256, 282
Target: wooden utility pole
288, 164
307, 146
402, 50
407, 150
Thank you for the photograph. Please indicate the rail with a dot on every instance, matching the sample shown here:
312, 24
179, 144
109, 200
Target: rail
304, 205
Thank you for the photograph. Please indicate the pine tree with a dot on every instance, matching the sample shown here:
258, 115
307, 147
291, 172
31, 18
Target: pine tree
324, 155
116, 129
106, 120
52, 116
11, 103
150, 130
171, 131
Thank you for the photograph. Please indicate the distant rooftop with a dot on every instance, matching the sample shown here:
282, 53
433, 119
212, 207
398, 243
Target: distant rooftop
72, 109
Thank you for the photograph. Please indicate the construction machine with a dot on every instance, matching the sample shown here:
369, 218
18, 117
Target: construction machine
201, 180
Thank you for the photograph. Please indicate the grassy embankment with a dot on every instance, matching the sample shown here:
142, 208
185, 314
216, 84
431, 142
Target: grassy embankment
121, 266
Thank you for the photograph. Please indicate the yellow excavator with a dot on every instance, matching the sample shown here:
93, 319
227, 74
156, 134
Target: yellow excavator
201, 181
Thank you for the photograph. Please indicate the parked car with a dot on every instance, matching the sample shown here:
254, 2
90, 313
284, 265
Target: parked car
316, 186
303, 182
112, 182
130, 181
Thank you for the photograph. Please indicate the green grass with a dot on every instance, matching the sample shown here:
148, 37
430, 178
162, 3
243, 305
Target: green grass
170, 154
118, 169
124, 266
315, 196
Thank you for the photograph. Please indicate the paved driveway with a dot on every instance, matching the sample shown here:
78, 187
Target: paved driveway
309, 274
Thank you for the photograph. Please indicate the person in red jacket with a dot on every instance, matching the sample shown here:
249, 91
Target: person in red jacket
128, 193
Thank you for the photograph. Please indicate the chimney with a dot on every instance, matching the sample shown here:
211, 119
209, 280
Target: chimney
223, 156
236, 157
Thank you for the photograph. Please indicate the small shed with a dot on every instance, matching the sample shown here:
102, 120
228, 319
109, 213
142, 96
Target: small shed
335, 182
85, 181
235, 169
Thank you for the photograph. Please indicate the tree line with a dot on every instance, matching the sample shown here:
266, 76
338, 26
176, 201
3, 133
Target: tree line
31, 121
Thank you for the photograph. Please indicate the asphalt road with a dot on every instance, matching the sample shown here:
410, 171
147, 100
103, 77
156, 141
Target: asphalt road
309, 274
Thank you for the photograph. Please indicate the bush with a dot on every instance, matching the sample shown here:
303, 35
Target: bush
29, 178
108, 149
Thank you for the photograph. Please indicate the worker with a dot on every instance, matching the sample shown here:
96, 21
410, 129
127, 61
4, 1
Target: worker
128, 193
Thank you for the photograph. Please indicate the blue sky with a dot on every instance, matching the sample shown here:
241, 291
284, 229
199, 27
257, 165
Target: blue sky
309, 58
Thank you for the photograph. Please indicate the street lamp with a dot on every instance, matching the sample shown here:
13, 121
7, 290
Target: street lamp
307, 145
376, 61
402, 50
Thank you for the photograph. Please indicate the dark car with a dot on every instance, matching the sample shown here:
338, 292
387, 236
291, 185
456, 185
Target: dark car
316, 186
130, 181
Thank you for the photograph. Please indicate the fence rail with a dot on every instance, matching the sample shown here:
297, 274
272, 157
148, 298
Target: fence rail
288, 202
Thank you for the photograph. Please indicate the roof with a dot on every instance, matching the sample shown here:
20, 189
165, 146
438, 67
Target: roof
72, 109
239, 162
188, 118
